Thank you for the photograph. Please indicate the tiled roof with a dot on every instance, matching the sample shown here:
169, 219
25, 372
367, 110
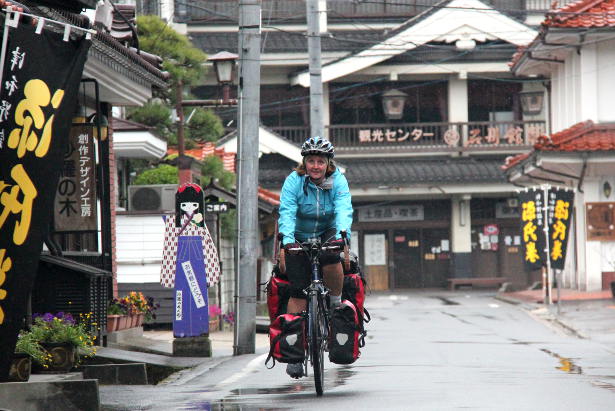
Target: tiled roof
121, 124
277, 42
273, 169
582, 137
583, 14
209, 149
585, 136
146, 61
268, 196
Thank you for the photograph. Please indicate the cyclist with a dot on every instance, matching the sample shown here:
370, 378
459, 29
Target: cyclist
315, 202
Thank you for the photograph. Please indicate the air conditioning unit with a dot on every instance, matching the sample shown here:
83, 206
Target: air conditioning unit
158, 198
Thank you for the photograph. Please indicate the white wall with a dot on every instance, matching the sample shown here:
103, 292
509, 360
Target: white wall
605, 87
461, 226
139, 241
592, 279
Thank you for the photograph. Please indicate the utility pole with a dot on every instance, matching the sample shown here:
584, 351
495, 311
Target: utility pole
247, 185
316, 95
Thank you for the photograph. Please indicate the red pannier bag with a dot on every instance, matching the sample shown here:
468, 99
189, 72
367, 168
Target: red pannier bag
347, 335
278, 293
354, 291
287, 339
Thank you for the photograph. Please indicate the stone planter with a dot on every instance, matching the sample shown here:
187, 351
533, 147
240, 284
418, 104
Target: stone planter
63, 358
113, 322
21, 367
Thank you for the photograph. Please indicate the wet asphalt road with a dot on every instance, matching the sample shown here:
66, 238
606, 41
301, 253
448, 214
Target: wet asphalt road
427, 350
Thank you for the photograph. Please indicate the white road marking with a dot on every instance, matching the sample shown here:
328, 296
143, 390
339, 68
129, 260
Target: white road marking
252, 365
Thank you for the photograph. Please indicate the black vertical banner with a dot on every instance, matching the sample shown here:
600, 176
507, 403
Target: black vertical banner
532, 229
38, 95
560, 210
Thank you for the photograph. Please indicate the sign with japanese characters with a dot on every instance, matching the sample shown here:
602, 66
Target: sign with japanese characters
217, 208
374, 247
38, 94
559, 213
497, 134
532, 228
75, 199
392, 213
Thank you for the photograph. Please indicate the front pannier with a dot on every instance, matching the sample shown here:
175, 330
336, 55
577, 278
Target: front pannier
287, 339
346, 334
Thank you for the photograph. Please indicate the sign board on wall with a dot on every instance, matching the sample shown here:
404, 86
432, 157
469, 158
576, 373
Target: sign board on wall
75, 199
374, 247
600, 221
392, 213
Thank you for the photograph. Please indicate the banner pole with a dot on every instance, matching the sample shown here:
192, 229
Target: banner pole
5, 41
545, 209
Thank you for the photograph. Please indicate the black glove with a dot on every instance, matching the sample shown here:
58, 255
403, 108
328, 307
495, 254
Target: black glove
288, 246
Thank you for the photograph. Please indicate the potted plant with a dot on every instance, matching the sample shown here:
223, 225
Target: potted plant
116, 316
64, 339
27, 349
140, 308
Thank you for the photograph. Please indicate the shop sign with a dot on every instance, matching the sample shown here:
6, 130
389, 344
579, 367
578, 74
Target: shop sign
38, 93
532, 228
600, 221
375, 249
489, 238
559, 213
75, 199
392, 213
217, 208
512, 135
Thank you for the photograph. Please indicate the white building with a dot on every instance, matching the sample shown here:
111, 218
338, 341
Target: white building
576, 50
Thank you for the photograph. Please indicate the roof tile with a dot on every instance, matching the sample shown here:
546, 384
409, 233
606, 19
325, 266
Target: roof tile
583, 14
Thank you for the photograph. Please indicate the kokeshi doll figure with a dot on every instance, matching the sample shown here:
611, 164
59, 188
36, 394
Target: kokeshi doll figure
189, 263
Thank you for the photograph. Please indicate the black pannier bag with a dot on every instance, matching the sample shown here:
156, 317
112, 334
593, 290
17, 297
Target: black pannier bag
347, 335
287, 339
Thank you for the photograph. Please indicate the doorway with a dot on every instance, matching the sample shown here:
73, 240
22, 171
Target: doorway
407, 255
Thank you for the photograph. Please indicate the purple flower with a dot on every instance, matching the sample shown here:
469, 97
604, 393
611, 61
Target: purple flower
68, 318
48, 317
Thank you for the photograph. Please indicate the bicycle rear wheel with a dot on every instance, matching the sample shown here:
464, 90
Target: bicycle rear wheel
317, 343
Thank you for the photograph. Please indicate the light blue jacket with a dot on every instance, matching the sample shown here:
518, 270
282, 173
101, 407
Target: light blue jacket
307, 211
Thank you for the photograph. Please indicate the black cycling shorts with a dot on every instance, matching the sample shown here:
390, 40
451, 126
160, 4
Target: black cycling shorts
298, 268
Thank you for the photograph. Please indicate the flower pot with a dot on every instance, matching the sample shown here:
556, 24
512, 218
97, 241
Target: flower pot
133, 318
140, 319
63, 358
123, 322
113, 322
21, 366
214, 324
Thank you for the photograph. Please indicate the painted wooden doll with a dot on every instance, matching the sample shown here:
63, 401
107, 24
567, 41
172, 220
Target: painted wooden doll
189, 262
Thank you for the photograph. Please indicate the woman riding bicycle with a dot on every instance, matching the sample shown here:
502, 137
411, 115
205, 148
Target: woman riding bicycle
315, 203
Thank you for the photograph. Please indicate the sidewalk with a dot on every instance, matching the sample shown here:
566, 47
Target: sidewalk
585, 314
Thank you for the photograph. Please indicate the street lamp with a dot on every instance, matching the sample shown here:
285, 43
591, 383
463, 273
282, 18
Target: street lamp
224, 64
531, 102
393, 102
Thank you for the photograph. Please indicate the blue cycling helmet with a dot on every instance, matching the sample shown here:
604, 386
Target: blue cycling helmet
317, 146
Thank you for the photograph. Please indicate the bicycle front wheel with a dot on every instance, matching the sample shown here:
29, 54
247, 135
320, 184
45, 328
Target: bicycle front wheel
317, 343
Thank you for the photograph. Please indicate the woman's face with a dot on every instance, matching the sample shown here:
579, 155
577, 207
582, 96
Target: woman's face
316, 167
189, 208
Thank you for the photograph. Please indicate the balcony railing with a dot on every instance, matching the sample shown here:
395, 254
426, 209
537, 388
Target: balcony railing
426, 137
213, 10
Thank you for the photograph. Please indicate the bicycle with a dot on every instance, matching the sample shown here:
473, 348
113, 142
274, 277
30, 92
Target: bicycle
317, 309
